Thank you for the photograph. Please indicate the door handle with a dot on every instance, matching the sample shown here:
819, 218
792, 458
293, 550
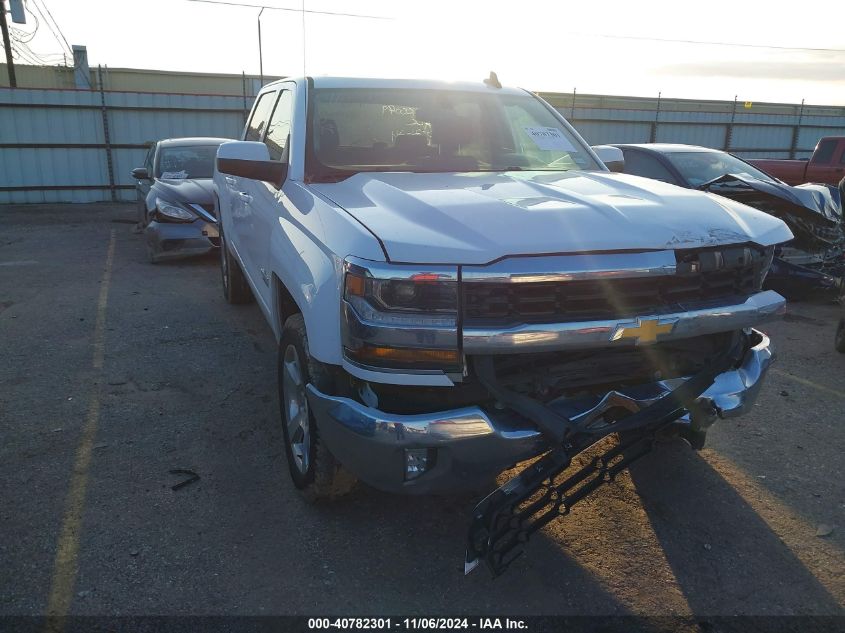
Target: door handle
243, 195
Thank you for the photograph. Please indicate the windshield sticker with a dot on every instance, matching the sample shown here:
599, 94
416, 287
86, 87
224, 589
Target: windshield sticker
174, 175
549, 138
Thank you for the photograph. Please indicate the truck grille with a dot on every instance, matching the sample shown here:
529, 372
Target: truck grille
585, 300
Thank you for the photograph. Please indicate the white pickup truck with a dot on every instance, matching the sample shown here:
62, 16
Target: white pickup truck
458, 283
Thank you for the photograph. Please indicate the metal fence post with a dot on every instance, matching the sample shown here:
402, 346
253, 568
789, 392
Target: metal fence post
656, 120
106, 137
572, 112
796, 131
243, 86
729, 132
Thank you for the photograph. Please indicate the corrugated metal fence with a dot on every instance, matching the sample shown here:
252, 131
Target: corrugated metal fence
746, 135
750, 130
80, 145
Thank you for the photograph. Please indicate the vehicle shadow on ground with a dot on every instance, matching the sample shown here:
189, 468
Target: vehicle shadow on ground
410, 550
724, 556
692, 546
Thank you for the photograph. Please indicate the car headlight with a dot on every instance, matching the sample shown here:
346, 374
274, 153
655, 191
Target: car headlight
173, 212
401, 317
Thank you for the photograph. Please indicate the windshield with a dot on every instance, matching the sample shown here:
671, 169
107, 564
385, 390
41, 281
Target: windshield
404, 129
183, 162
700, 167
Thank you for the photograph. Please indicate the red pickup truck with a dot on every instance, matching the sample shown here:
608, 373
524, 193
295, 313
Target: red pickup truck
827, 164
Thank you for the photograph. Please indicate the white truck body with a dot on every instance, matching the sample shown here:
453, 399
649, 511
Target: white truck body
296, 240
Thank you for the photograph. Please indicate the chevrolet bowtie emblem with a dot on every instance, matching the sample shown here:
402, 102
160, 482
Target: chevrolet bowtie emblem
643, 330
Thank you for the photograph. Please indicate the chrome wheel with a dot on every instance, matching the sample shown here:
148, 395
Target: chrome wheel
296, 409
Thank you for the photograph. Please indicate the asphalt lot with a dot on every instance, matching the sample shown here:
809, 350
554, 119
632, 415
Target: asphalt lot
188, 382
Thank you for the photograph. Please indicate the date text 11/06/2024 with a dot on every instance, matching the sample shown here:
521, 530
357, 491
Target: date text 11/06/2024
416, 623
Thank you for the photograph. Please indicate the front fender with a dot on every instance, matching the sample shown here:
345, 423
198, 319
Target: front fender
307, 249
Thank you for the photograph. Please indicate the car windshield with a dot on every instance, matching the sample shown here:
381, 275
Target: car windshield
186, 161
700, 167
423, 130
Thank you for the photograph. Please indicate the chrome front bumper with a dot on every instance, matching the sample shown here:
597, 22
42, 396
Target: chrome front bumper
474, 444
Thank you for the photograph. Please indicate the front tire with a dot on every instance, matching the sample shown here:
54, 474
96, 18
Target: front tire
314, 470
236, 288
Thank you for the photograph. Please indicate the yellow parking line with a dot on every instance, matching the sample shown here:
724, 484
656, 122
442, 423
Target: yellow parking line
810, 383
65, 565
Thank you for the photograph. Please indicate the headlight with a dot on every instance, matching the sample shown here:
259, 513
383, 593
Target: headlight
172, 212
401, 317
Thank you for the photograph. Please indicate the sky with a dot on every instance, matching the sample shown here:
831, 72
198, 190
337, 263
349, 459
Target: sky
601, 47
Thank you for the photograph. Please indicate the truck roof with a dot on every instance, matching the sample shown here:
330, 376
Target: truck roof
192, 140
419, 84
667, 148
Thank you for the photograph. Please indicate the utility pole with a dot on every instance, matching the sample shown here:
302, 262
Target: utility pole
260, 53
7, 44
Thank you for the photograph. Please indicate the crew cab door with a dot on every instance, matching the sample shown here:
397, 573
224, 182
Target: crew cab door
266, 200
236, 198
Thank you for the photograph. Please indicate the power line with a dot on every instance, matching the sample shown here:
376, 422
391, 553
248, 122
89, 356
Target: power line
232, 3
22, 40
38, 59
23, 35
47, 9
27, 54
60, 37
709, 43
20, 53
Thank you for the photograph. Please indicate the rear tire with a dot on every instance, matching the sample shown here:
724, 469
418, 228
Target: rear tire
314, 470
839, 341
236, 288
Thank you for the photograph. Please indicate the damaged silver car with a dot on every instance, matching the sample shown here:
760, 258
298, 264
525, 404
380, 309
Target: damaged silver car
175, 198
810, 266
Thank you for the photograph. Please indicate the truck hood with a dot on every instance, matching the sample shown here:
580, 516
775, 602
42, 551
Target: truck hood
475, 218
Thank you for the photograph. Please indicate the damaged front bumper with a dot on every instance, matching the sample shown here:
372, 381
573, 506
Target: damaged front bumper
465, 447
174, 240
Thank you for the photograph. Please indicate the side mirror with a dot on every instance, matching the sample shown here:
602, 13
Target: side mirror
140, 173
250, 159
610, 156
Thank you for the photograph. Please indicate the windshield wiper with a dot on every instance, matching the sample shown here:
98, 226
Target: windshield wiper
721, 180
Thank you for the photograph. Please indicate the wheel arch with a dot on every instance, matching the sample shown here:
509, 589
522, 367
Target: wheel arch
284, 306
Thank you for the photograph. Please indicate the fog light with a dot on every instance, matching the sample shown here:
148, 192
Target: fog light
418, 461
